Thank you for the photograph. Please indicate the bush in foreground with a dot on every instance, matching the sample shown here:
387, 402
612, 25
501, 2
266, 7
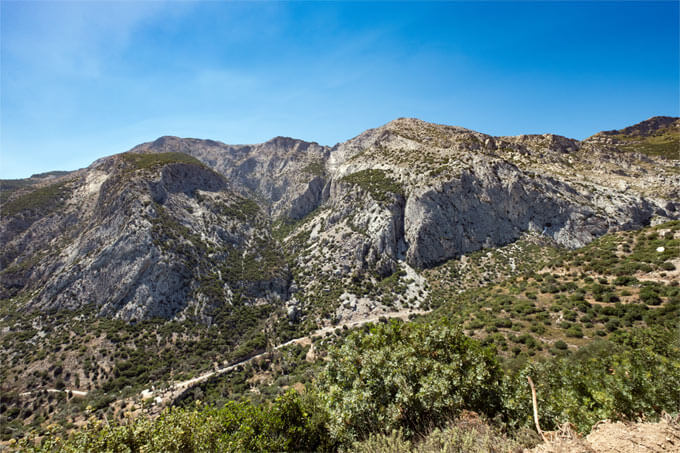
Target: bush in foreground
291, 423
603, 380
395, 383
407, 376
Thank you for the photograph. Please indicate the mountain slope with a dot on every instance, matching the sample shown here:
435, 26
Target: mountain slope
657, 136
184, 255
152, 232
137, 236
285, 174
597, 321
411, 195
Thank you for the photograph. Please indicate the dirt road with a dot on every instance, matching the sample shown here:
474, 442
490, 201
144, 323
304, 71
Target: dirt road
177, 388
75, 392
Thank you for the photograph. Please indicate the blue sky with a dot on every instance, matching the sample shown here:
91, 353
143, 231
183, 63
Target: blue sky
86, 79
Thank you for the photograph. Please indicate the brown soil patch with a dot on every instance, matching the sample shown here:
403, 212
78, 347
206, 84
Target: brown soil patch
634, 437
620, 437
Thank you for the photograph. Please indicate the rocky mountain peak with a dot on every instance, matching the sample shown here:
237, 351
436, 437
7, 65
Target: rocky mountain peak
281, 143
169, 143
651, 126
284, 173
149, 229
657, 136
165, 141
424, 132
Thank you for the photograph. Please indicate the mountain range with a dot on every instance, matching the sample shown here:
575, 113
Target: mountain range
180, 227
182, 260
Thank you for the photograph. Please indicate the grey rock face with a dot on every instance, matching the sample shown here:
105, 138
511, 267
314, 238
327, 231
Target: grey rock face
138, 243
288, 175
153, 234
494, 203
465, 191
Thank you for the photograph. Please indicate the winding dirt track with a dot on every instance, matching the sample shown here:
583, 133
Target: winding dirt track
177, 388
75, 392
163, 396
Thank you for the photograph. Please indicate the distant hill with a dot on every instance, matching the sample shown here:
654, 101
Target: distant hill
657, 136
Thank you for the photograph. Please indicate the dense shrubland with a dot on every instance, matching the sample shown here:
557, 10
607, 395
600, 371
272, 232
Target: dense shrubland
407, 376
616, 284
410, 378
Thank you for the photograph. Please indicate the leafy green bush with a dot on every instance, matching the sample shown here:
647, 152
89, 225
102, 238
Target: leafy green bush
668, 266
466, 435
649, 296
406, 376
559, 344
291, 423
575, 331
603, 380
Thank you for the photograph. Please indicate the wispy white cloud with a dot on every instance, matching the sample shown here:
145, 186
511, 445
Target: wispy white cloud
74, 38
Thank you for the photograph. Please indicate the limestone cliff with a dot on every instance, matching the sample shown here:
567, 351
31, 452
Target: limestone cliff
181, 227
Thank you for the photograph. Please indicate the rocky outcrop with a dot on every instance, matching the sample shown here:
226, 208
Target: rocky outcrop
658, 136
184, 227
142, 243
648, 127
493, 204
286, 174
483, 193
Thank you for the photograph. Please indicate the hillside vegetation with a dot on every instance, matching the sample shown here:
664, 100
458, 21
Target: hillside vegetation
212, 296
409, 378
391, 383
658, 137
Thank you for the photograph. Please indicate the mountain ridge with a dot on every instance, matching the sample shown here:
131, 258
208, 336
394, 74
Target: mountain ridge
408, 194
655, 121
182, 259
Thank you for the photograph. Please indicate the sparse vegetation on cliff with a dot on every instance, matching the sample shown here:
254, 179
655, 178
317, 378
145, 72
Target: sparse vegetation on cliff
142, 161
378, 183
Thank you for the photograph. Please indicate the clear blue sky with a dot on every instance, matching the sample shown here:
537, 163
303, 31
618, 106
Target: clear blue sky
86, 79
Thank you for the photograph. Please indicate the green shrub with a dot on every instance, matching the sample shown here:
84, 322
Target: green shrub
406, 376
290, 423
559, 344
649, 296
503, 323
465, 435
575, 331
376, 182
625, 280
668, 266
601, 381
